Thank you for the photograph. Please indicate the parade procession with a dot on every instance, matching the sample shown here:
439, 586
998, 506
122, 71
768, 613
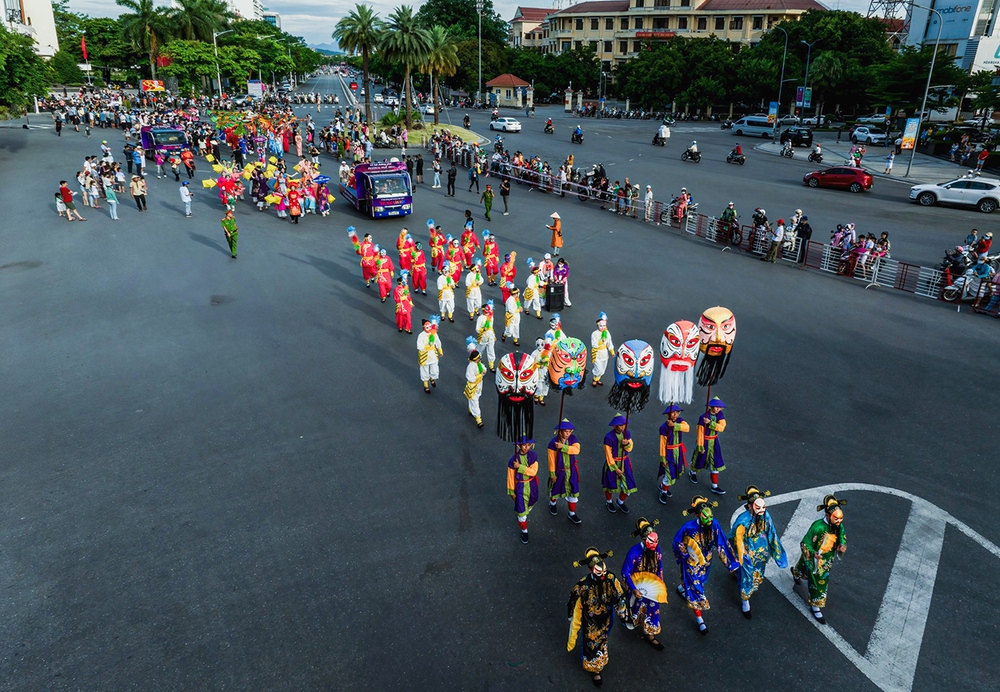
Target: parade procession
554, 375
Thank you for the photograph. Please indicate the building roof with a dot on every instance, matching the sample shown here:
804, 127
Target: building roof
507, 80
531, 14
597, 6
757, 5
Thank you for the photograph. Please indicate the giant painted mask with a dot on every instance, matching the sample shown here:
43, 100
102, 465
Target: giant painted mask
517, 378
678, 355
568, 363
633, 375
716, 332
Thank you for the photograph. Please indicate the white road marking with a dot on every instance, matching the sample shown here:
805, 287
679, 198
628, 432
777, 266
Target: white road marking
890, 660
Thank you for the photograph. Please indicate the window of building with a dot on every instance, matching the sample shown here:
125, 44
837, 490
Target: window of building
594, 23
638, 22
661, 3
593, 45
565, 45
623, 23
720, 23
607, 46
736, 24
609, 23
661, 23
702, 23
623, 46
640, 3
636, 45
682, 23
579, 24
685, 3
758, 23
578, 44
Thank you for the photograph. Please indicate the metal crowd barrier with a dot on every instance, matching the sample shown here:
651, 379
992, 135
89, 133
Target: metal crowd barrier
888, 273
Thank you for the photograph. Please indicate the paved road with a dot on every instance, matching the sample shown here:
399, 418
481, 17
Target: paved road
225, 473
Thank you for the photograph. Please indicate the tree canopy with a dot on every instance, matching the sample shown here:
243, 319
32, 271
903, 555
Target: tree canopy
23, 75
461, 20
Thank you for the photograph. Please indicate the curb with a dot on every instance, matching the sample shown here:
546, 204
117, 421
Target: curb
874, 174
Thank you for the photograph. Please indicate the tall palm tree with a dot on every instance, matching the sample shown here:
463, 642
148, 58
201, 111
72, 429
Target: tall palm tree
146, 26
441, 61
405, 41
360, 32
197, 20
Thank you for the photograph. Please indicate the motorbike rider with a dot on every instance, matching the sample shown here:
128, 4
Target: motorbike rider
466, 121
759, 218
729, 214
683, 199
662, 133
495, 114
693, 148
817, 150
548, 125
737, 150
578, 134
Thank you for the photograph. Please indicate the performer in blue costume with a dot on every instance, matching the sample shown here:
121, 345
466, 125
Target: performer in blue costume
755, 542
694, 544
644, 566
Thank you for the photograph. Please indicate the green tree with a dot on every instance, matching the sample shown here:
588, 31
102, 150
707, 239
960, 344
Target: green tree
407, 43
197, 20
901, 81
64, 68
756, 79
192, 63
23, 75
461, 19
654, 77
146, 26
360, 32
442, 61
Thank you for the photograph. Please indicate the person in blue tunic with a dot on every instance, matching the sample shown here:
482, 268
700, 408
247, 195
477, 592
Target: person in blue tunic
755, 542
694, 544
643, 567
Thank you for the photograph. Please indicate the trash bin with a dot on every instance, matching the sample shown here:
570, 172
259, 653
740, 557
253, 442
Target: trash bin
555, 297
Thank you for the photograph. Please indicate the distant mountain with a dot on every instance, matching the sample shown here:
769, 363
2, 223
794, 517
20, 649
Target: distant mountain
327, 48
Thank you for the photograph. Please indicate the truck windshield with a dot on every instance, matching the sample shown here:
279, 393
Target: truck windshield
167, 137
390, 186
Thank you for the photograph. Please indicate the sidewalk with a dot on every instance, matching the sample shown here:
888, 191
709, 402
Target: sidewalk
925, 169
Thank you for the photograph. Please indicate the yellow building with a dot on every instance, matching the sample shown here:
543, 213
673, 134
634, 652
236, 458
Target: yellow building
617, 28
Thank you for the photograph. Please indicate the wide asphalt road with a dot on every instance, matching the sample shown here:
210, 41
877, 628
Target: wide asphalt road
225, 473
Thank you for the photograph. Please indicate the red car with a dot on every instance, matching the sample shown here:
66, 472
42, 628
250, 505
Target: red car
845, 177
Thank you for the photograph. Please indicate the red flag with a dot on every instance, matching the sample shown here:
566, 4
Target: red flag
83, 47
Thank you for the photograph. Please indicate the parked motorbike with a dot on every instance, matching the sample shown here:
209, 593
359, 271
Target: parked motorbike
965, 287
815, 158
731, 230
736, 158
691, 156
659, 141
727, 125
667, 215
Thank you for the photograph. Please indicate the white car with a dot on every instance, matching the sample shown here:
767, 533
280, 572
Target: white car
868, 135
379, 98
506, 125
815, 121
392, 100
982, 193
427, 109
873, 119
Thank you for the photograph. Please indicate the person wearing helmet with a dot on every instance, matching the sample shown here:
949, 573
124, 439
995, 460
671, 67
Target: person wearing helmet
693, 149
680, 209
729, 213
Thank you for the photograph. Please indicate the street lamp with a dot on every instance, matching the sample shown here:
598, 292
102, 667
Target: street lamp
806, 85
930, 73
215, 45
782, 82
479, 10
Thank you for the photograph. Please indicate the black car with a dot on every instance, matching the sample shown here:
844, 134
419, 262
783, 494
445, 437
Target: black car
799, 136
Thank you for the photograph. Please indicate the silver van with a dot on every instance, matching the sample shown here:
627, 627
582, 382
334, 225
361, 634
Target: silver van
753, 127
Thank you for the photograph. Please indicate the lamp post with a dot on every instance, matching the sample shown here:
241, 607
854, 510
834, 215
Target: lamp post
782, 82
930, 73
479, 10
806, 85
215, 45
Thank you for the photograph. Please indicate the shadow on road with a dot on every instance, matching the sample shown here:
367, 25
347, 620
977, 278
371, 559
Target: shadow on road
208, 242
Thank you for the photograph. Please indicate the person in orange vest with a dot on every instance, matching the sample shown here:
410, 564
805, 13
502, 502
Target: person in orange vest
403, 246
491, 253
418, 262
383, 274
404, 304
508, 272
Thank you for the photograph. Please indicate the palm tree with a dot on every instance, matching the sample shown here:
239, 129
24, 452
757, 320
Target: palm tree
146, 26
442, 61
405, 41
360, 32
197, 20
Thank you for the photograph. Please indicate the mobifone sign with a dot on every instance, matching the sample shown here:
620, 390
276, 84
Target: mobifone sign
959, 16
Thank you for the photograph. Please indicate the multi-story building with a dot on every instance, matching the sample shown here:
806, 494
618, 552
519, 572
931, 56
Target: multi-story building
527, 21
33, 18
969, 33
272, 18
616, 29
247, 9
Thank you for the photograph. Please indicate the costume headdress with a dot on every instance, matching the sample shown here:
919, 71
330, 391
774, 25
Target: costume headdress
752, 493
643, 527
593, 557
633, 375
698, 505
830, 503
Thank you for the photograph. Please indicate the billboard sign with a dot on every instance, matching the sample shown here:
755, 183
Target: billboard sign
255, 88
151, 85
959, 16
910, 133
807, 97
987, 54
772, 113
800, 93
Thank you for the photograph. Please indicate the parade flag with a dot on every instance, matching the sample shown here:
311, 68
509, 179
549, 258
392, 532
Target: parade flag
209, 158
208, 182
83, 46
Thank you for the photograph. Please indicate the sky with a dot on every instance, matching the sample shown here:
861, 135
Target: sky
314, 19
